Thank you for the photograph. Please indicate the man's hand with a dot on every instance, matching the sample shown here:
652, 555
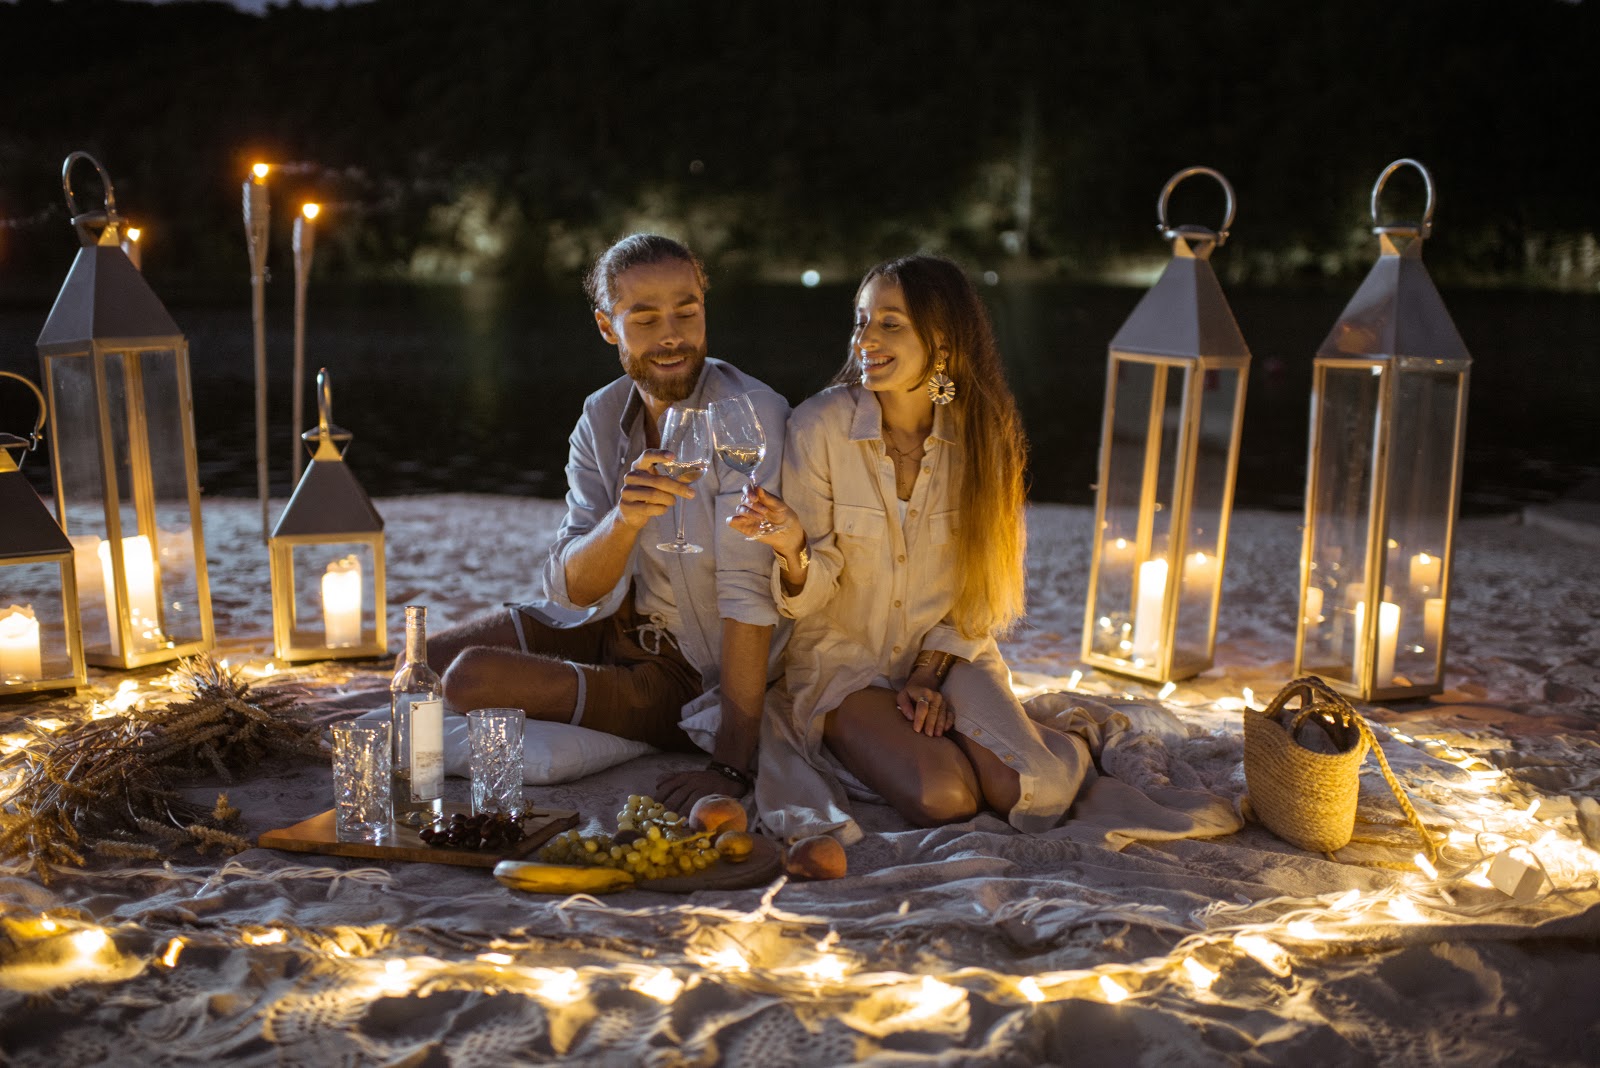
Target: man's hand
922, 703
646, 494
678, 792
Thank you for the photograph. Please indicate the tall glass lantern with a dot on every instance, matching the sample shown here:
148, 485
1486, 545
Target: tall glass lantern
116, 373
40, 647
1388, 424
328, 598
1169, 450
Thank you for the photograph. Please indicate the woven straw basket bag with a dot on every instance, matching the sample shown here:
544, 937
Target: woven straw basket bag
1306, 797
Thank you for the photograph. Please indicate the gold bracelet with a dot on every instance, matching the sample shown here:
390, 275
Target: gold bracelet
937, 659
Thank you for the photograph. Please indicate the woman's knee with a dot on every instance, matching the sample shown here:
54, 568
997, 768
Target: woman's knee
940, 800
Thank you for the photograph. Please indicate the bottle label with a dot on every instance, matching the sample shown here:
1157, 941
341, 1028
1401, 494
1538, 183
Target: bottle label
427, 750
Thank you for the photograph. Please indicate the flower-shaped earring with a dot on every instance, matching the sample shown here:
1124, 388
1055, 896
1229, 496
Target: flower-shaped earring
941, 388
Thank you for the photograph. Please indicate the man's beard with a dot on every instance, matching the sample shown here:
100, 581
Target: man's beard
671, 388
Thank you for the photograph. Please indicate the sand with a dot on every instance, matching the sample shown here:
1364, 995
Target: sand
965, 944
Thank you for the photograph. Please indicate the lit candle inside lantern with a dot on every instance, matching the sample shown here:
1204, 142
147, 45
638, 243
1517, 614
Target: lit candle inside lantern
1425, 571
1433, 622
19, 645
139, 569
1388, 636
1199, 574
1117, 553
1313, 614
1147, 613
341, 603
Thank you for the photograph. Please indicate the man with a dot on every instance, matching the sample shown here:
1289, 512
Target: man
662, 636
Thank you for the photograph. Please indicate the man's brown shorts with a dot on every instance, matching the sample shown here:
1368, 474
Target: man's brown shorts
634, 686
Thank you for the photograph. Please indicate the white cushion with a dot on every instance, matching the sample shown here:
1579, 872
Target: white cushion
551, 752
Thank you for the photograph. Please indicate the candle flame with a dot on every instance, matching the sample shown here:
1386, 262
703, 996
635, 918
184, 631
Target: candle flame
260, 171
133, 233
310, 210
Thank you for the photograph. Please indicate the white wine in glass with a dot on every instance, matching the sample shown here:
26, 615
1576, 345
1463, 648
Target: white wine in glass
686, 433
741, 442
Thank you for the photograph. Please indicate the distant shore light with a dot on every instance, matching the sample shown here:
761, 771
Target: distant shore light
810, 277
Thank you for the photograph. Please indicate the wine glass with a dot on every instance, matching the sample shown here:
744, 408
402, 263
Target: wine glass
686, 433
741, 442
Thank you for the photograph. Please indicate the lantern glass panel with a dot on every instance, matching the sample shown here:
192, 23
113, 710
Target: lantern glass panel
34, 645
1421, 499
1346, 422
1208, 505
334, 586
80, 479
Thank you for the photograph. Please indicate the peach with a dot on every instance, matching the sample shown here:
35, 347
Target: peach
717, 813
818, 857
735, 846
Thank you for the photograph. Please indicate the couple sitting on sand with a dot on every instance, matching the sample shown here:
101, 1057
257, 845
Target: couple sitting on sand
889, 530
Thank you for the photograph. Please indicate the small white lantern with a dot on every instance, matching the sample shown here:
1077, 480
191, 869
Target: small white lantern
40, 647
116, 374
1168, 453
328, 598
1388, 428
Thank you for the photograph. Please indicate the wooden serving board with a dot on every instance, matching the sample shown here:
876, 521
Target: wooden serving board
764, 864
317, 835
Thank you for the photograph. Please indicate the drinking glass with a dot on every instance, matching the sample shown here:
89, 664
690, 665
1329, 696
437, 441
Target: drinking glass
741, 442
494, 737
361, 763
686, 433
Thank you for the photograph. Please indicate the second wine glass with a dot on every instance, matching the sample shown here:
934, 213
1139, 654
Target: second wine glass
741, 442
686, 433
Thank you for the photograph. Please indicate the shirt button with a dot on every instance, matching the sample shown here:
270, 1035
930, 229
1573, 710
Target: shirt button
900, 559
1027, 797
913, 513
897, 604
897, 648
927, 470
977, 732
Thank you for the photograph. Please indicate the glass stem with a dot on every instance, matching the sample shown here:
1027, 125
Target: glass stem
677, 511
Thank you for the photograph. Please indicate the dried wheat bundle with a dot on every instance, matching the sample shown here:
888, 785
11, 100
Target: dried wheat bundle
110, 785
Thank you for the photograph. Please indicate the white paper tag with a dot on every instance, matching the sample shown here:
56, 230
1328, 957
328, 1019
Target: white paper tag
427, 750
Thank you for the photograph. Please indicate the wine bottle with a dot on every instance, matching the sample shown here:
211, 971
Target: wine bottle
416, 717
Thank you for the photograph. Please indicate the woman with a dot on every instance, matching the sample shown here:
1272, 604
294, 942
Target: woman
900, 555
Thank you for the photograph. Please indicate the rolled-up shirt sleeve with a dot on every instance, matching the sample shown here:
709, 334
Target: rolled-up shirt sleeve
945, 638
808, 489
744, 588
591, 493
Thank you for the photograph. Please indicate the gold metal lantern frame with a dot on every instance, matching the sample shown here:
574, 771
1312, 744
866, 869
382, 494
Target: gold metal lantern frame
40, 644
1169, 450
1388, 430
116, 375
328, 597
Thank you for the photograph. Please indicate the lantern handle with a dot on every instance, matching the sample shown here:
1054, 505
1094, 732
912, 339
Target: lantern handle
321, 439
1426, 226
1170, 232
31, 442
82, 220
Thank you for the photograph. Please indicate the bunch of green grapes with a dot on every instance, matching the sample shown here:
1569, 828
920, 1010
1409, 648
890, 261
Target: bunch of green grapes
650, 843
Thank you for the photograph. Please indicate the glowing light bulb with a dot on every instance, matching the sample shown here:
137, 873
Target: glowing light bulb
560, 985
1425, 866
170, 957
661, 985
495, 958
89, 942
1266, 952
1166, 691
1028, 987
1201, 976
1113, 990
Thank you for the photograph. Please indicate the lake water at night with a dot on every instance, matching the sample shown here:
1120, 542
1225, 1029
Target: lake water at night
476, 388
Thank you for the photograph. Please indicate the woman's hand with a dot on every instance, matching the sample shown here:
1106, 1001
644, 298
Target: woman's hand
922, 703
757, 506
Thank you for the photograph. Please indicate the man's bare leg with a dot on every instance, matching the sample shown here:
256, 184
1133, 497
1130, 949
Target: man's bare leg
493, 628
484, 677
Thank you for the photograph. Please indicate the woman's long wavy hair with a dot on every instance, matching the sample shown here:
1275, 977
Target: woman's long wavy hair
991, 542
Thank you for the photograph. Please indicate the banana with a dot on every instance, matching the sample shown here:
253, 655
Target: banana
538, 878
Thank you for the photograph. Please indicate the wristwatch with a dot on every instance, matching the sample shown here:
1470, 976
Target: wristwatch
805, 559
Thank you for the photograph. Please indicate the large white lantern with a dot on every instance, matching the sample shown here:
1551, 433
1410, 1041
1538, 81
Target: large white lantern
116, 373
1169, 450
1388, 425
40, 648
328, 598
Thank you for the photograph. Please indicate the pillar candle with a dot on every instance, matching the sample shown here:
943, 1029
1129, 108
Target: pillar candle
1425, 573
1147, 612
19, 645
1433, 622
1199, 575
341, 603
139, 570
1313, 610
1388, 636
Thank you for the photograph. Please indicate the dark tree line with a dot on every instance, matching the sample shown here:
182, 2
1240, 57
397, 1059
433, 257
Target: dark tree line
517, 137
